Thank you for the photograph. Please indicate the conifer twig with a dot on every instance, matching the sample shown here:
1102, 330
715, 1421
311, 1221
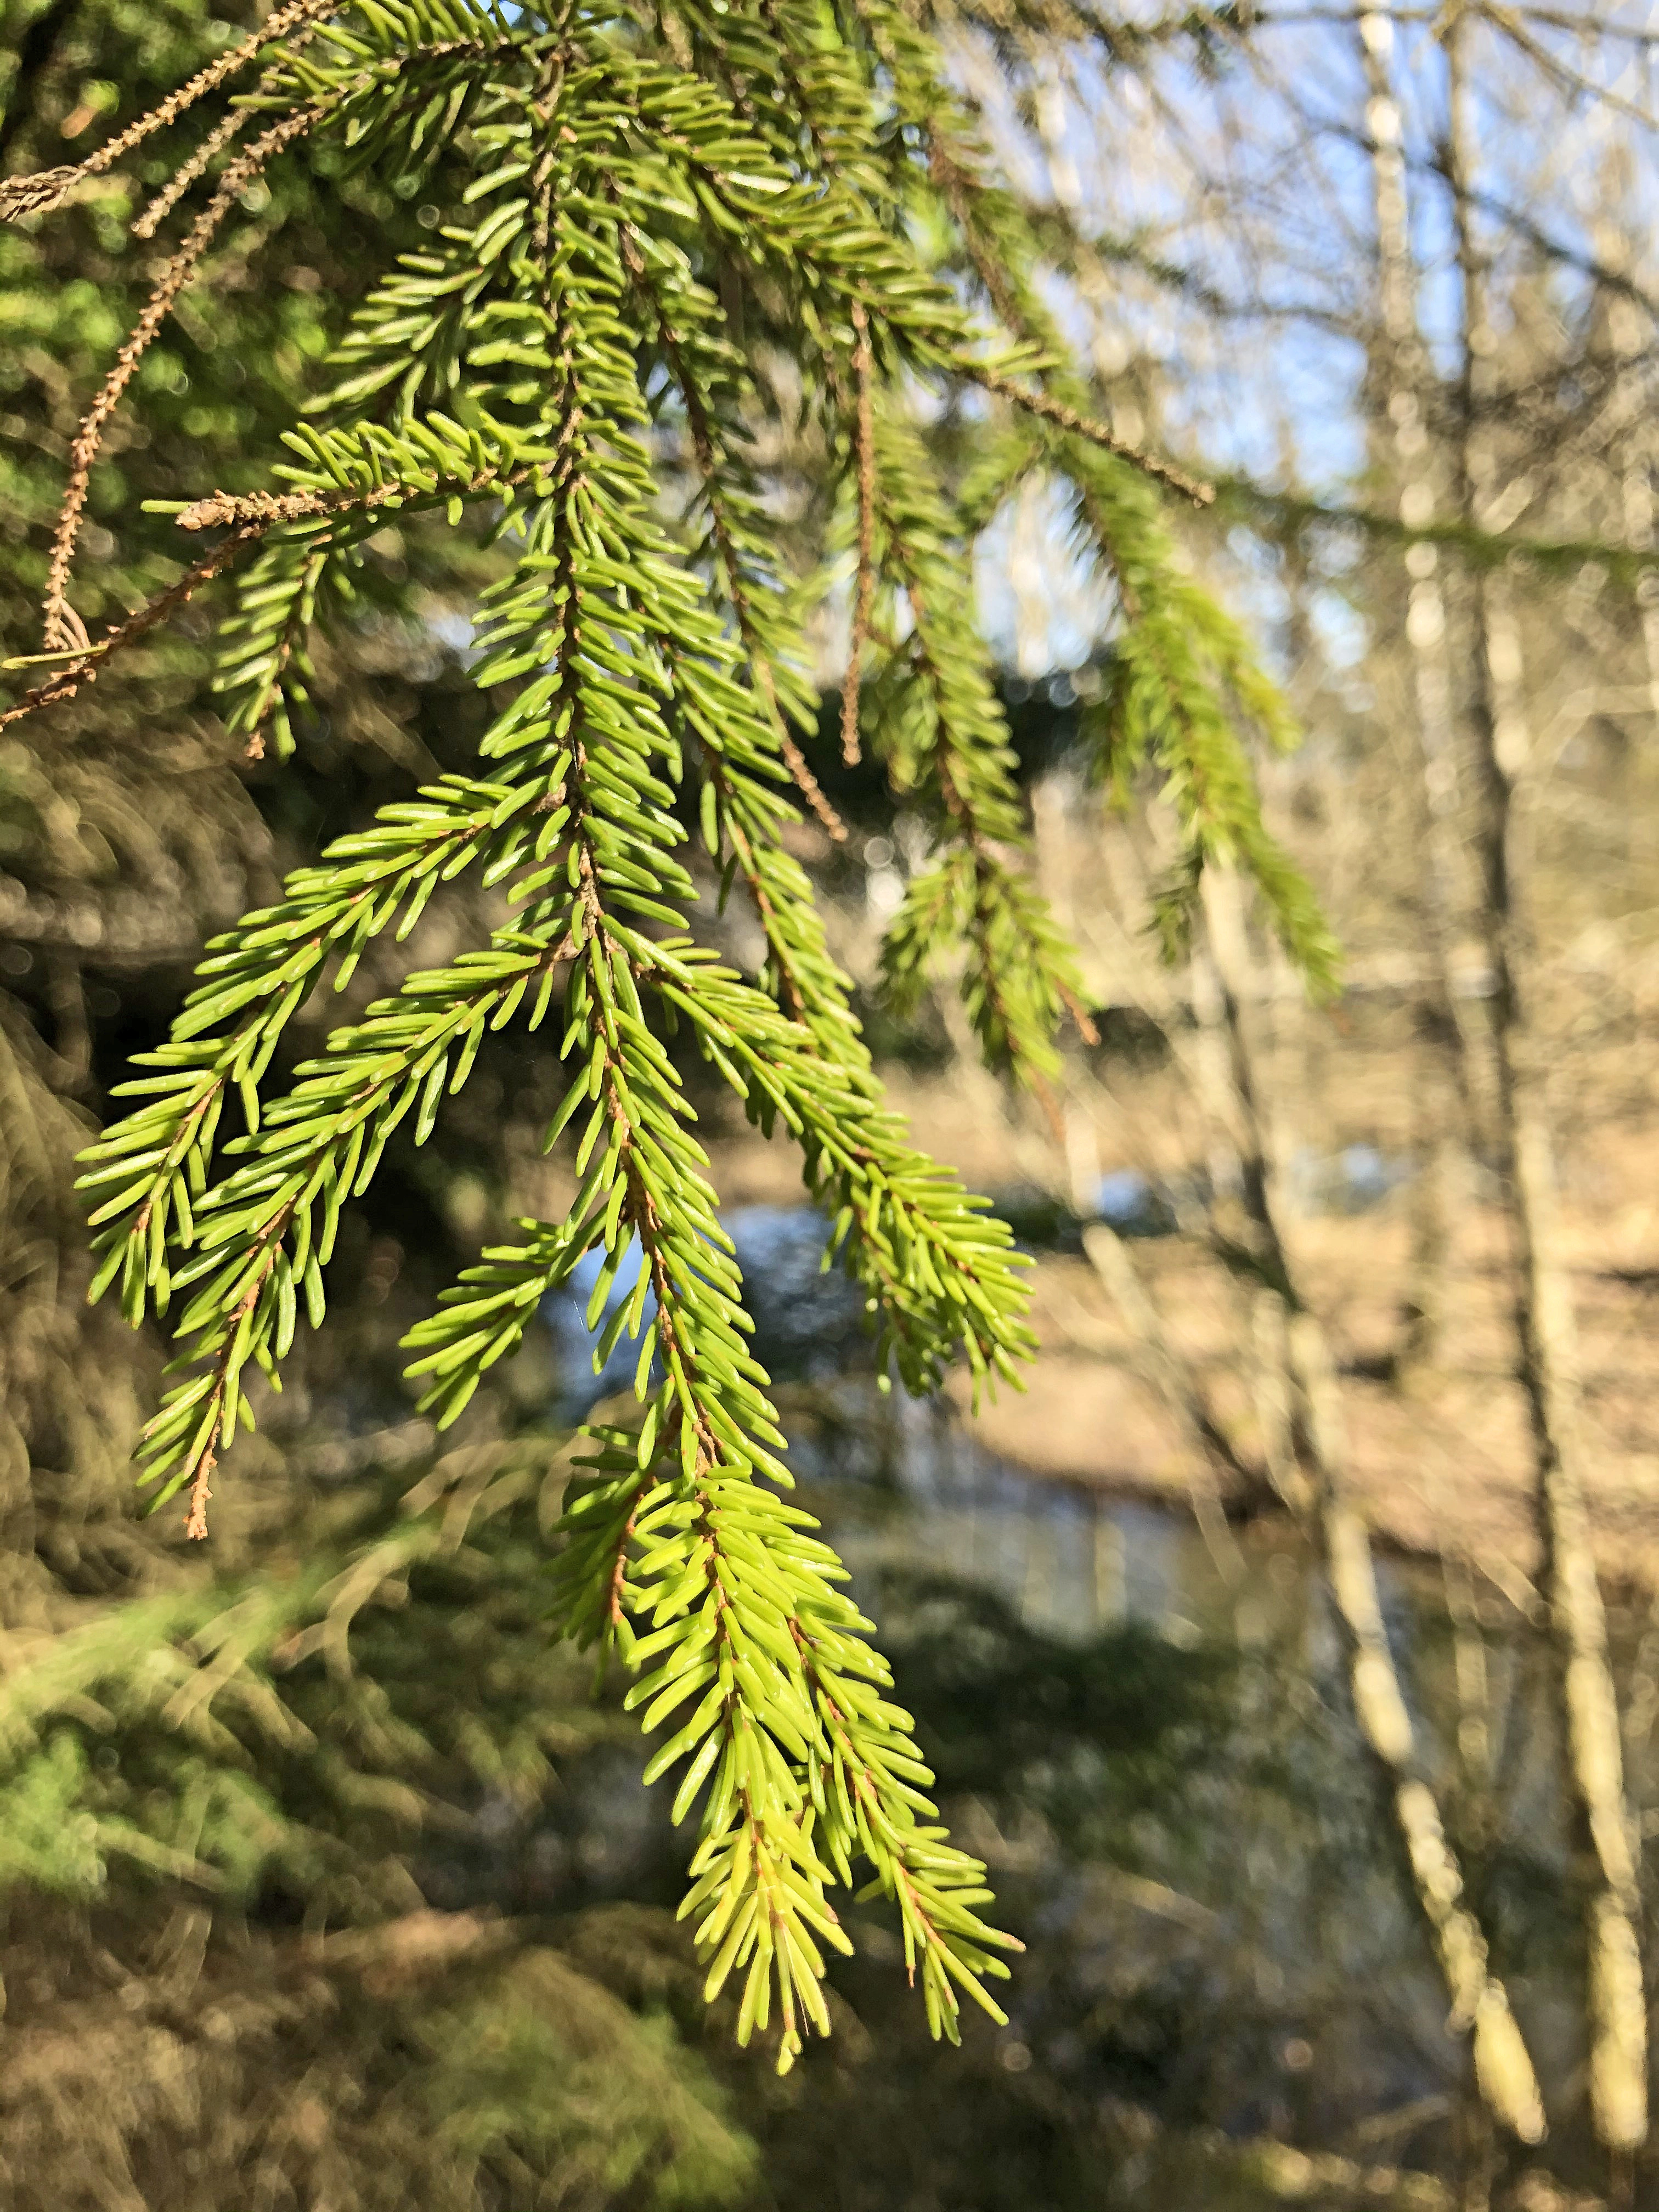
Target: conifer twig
948, 174
83, 665
703, 445
250, 515
228, 127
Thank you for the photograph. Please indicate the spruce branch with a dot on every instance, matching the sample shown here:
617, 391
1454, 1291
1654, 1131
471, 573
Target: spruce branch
1063, 418
251, 517
386, 82
628, 219
252, 986
714, 468
676, 1530
941, 729
264, 1235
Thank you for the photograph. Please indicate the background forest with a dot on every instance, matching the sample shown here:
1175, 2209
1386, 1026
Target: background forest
1289, 1650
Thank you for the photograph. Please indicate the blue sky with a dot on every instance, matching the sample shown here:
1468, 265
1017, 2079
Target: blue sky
1255, 179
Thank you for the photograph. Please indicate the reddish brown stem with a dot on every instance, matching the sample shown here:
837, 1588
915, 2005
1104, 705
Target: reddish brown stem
47, 188
865, 449
60, 624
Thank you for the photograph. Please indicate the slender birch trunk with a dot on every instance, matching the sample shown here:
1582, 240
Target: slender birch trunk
1639, 536
1545, 1320
1303, 1437
1443, 1042
1633, 429
1479, 2002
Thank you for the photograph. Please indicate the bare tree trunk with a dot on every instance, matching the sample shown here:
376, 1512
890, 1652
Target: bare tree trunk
1303, 1439
1545, 1322
1170, 1377
1633, 427
1473, 1684
1050, 823
1437, 1159
1479, 2002
1304, 1443
1441, 1041
1640, 536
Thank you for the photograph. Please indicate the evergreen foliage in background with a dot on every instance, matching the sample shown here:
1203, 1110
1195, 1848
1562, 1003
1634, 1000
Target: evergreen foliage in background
651, 242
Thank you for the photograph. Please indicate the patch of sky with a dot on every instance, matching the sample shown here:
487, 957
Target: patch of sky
1043, 604
456, 631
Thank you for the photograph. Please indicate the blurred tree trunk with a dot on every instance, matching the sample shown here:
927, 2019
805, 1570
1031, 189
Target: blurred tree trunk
1441, 1086
1633, 427
1503, 2071
1545, 1321
1254, 1238
1304, 1440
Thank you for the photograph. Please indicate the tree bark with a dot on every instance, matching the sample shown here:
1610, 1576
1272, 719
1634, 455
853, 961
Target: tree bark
1544, 1316
1443, 1043
1479, 2002
1170, 1377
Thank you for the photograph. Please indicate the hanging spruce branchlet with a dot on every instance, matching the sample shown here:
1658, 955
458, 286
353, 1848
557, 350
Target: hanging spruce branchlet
569, 352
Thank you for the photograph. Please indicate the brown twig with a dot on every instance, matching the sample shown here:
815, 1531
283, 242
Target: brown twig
83, 668
31, 195
173, 280
703, 445
1086, 1027
266, 508
953, 181
196, 1523
865, 450
182, 178
215, 143
805, 782
249, 514
48, 188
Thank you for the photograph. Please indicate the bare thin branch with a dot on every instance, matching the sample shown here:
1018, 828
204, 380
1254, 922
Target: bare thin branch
865, 450
59, 631
81, 666
48, 188
1085, 426
179, 183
